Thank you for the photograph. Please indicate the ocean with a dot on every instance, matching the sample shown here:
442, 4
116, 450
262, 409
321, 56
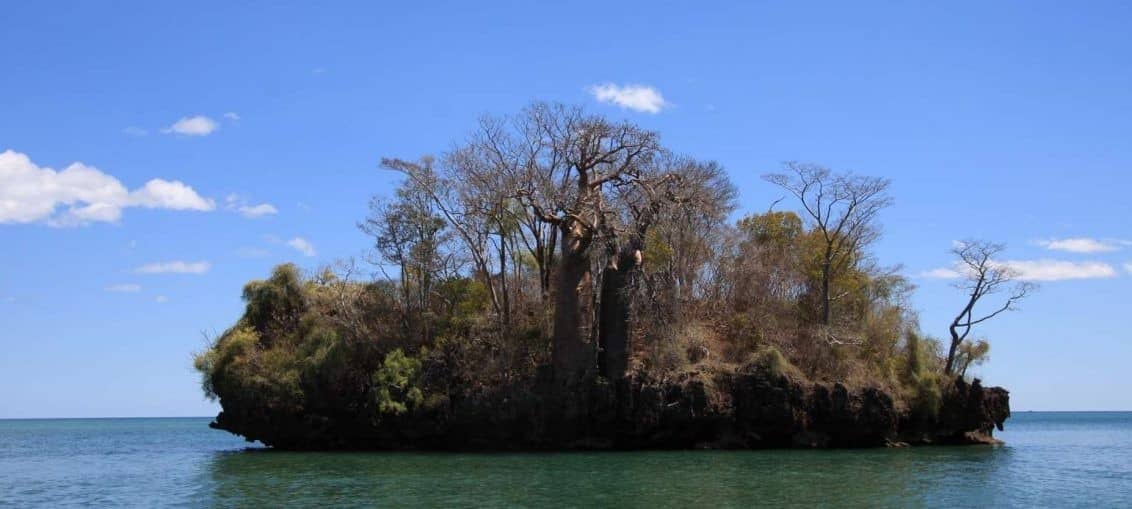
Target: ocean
1051, 459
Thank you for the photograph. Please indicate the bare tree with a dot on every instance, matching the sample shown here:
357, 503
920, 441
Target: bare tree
843, 209
681, 204
981, 275
570, 160
460, 210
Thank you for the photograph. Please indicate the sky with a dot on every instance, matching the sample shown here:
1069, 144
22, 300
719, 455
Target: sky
156, 156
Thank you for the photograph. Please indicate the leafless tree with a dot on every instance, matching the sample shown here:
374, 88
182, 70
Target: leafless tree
570, 160
843, 209
981, 275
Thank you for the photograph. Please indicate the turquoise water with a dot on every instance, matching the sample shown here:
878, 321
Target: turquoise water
1050, 460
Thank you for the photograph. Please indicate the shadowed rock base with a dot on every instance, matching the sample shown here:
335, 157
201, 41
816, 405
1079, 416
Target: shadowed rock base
740, 410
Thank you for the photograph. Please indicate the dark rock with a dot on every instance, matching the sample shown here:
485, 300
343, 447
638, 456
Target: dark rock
745, 409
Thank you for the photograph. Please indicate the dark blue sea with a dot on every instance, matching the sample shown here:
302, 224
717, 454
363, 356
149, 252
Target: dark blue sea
1051, 459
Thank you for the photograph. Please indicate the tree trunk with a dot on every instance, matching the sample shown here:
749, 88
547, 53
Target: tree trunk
613, 326
826, 309
506, 304
955, 340
571, 322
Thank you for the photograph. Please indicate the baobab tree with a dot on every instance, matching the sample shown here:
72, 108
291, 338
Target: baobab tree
570, 161
679, 203
842, 209
981, 275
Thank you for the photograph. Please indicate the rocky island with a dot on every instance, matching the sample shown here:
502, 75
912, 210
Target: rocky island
562, 281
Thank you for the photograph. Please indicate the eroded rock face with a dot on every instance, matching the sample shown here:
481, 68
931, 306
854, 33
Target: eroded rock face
744, 409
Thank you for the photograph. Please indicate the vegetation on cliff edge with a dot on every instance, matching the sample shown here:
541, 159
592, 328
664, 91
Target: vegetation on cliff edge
560, 241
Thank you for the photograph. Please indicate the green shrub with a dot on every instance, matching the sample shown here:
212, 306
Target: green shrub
394, 383
771, 361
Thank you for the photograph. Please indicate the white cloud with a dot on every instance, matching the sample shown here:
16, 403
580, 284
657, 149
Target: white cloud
1037, 270
166, 194
254, 211
231, 115
198, 125
1058, 270
640, 98
302, 245
161, 299
1081, 245
135, 131
124, 288
30, 193
941, 273
237, 203
174, 267
1128, 267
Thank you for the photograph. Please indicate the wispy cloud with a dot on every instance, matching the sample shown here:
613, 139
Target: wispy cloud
641, 98
941, 273
303, 246
1059, 270
124, 288
1128, 267
233, 116
198, 125
1083, 245
174, 267
237, 203
254, 211
30, 193
135, 131
161, 299
1037, 270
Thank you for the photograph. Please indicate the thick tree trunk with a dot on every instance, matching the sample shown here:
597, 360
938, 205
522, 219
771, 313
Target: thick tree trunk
570, 353
613, 325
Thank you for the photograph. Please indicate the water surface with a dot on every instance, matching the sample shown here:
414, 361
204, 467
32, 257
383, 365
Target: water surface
1050, 460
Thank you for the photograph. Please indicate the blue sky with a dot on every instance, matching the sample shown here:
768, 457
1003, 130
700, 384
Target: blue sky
156, 156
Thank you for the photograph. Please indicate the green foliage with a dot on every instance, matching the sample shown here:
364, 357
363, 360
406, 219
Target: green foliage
923, 374
771, 361
971, 353
275, 305
394, 383
774, 229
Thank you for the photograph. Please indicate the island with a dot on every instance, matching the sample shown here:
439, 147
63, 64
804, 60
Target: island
558, 280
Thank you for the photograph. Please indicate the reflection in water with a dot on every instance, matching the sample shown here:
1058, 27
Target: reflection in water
852, 478
1051, 460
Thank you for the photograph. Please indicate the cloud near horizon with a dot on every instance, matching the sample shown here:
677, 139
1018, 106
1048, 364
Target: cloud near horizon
30, 193
1037, 270
640, 98
174, 267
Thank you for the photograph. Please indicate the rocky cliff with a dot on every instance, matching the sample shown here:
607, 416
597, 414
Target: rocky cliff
747, 408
